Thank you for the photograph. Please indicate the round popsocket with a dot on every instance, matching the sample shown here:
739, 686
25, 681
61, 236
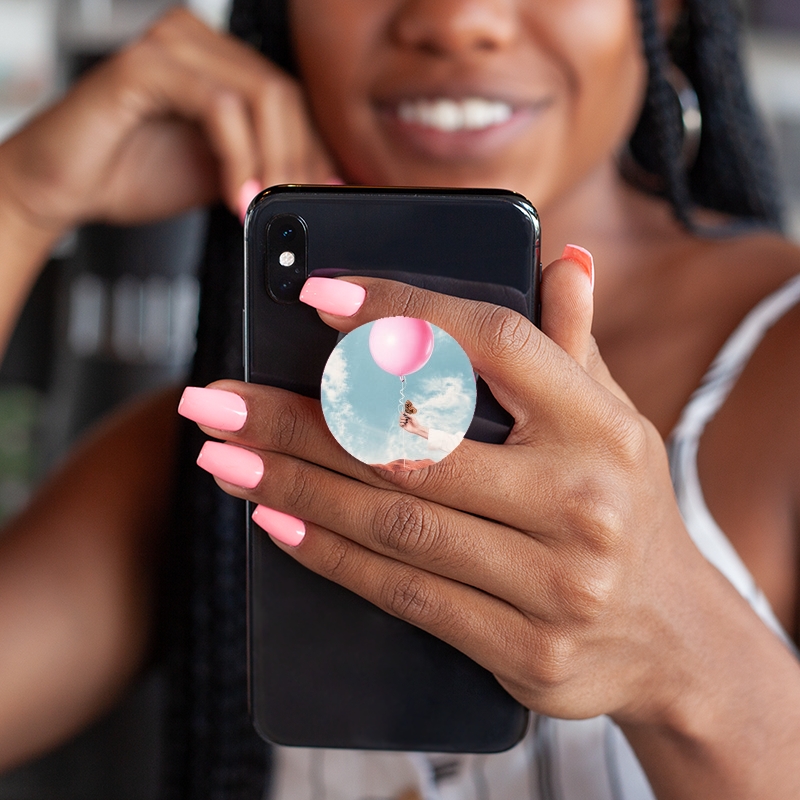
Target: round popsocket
398, 393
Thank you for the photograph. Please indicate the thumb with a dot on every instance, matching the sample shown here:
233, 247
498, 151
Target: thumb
567, 310
568, 303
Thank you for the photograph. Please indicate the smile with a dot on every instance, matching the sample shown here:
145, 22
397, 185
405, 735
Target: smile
449, 116
463, 128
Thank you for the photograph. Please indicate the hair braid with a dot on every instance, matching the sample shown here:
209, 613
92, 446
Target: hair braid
734, 172
656, 143
265, 25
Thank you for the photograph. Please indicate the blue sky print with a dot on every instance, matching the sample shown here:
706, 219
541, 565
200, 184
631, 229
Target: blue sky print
361, 402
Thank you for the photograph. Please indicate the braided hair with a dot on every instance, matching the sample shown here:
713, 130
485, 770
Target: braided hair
733, 172
211, 748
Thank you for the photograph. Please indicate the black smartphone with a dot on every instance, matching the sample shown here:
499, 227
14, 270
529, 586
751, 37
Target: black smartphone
327, 668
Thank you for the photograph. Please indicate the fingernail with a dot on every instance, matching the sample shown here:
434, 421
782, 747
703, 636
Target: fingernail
334, 296
250, 188
232, 464
216, 408
334, 180
580, 255
283, 527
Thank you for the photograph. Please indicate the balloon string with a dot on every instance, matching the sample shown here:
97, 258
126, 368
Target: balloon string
402, 408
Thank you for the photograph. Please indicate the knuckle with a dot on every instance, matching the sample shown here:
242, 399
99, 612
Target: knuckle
594, 514
165, 28
172, 24
300, 491
518, 640
131, 72
334, 559
507, 334
408, 300
588, 592
288, 427
551, 665
412, 598
594, 361
628, 438
405, 525
275, 92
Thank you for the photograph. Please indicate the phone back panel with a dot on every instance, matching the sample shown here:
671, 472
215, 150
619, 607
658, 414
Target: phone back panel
327, 668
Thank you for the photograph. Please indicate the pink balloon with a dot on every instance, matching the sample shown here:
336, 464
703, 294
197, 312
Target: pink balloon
401, 345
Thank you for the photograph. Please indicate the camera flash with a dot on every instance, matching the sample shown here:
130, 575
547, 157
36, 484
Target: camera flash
286, 258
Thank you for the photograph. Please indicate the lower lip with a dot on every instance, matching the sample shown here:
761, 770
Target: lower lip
459, 145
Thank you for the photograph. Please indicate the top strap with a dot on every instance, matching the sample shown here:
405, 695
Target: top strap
731, 360
683, 443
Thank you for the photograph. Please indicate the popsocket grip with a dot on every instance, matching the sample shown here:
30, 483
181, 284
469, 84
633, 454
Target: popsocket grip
398, 393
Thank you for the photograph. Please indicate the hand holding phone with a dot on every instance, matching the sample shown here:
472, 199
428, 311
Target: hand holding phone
352, 675
508, 553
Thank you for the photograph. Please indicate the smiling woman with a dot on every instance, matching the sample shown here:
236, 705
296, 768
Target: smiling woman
646, 632
503, 94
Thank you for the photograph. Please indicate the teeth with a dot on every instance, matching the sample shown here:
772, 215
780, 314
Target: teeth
448, 115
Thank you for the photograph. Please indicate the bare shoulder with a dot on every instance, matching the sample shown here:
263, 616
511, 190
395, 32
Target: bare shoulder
755, 264
749, 457
760, 267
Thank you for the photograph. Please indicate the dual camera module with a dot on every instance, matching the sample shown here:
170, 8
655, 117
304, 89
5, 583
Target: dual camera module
287, 247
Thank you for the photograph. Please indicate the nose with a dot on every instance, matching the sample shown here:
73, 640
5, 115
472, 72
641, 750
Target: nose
449, 27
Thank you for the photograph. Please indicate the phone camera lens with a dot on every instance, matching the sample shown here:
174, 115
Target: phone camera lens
286, 254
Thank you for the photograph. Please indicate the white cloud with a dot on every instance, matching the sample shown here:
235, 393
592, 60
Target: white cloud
447, 403
335, 377
338, 411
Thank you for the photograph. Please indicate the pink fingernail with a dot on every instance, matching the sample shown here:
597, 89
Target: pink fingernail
334, 296
232, 464
580, 255
334, 180
216, 408
283, 527
249, 190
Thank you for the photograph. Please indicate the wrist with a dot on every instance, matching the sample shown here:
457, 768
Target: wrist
25, 245
33, 211
23, 234
723, 718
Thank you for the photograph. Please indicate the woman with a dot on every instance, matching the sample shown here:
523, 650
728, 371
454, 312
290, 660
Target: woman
579, 584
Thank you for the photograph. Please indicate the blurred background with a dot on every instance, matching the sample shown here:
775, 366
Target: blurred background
114, 314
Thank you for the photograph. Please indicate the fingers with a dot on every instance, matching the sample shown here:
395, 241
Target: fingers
515, 485
143, 109
169, 87
449, 610
415, 531
529, 374
504, 347
286, 147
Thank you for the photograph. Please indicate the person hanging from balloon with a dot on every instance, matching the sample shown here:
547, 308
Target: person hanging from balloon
437, 440
402, 346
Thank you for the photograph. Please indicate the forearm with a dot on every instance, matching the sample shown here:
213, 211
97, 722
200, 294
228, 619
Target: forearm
77, 579
731, 730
